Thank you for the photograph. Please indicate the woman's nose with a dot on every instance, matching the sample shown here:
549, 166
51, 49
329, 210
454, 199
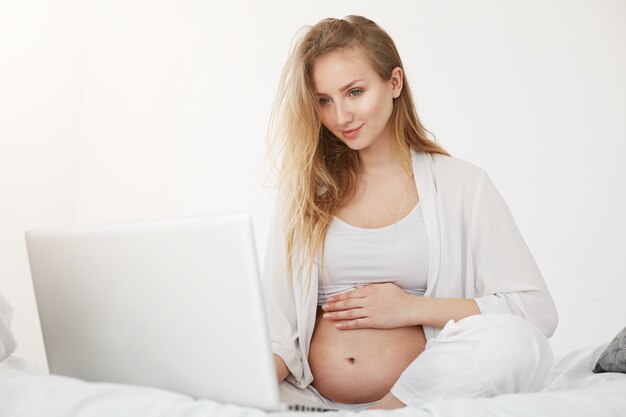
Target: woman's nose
343, 114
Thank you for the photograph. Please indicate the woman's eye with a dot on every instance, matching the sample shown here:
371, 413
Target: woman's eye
324, 101
355, 93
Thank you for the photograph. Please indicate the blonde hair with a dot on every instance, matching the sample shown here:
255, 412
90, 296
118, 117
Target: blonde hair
317, 170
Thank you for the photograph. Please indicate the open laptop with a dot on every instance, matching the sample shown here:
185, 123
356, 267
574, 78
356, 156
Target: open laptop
171, 303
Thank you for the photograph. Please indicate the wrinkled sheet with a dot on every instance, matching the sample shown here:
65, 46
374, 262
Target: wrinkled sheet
571, 389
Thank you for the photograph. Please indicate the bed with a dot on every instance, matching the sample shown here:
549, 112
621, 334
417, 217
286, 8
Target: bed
571, 389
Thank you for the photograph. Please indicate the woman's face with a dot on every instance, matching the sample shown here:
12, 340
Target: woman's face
355, 102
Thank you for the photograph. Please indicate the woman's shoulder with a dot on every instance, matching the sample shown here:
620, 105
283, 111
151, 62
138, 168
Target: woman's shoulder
453, 170
457, 178
451, 164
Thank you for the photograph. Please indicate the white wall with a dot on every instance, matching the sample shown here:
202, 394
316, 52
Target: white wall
40, 133
169, 102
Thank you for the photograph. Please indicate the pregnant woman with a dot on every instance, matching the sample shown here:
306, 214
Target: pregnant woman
394, 273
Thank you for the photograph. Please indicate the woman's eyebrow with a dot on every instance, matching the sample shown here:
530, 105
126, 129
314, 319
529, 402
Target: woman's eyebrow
344, 87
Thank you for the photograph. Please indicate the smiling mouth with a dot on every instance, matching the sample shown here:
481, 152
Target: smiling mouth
351, 133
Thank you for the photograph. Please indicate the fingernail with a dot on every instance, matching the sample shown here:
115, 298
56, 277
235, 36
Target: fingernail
325, 306
330, 299
339, 325
326, 315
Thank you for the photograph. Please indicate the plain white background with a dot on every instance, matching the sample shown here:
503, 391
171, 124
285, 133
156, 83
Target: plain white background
120, 110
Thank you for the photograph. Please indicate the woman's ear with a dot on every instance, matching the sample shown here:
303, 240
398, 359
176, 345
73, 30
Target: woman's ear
397, 78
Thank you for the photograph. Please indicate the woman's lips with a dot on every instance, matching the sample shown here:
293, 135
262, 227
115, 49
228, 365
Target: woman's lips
351, 133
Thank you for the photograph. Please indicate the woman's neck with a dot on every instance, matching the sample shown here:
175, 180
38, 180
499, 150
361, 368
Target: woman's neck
379, 162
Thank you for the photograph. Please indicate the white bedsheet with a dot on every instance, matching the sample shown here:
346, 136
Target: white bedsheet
570, 390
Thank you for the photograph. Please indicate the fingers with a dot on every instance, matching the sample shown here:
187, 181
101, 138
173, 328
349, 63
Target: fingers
353, 313
344, 305
345, 301
354, 293
362, 323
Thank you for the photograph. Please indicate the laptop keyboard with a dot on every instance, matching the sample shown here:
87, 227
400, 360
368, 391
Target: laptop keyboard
306, 408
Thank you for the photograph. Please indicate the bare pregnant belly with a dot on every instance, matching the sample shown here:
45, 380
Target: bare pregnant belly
358, 366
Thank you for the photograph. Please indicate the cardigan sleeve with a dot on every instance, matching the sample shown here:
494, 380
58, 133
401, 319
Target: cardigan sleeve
507, 277
279, 298
7, 341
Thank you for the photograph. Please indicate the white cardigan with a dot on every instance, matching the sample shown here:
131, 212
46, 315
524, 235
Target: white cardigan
7, 341
476, 251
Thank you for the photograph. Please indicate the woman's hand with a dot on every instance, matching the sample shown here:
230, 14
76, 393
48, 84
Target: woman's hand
372, 306
281, 369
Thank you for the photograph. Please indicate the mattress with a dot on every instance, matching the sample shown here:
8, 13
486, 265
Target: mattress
571, 389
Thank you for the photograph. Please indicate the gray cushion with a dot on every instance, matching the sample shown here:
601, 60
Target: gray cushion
613, 359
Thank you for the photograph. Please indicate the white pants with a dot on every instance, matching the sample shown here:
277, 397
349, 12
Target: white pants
480, 356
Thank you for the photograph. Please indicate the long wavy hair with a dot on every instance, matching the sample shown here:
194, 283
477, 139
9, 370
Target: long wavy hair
317, 170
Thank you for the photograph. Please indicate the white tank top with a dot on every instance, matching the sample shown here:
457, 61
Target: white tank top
397, 253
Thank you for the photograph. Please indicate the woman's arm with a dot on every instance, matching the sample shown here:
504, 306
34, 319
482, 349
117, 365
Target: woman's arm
505, 277
436, 312
281, 368
387, 306
280, 306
